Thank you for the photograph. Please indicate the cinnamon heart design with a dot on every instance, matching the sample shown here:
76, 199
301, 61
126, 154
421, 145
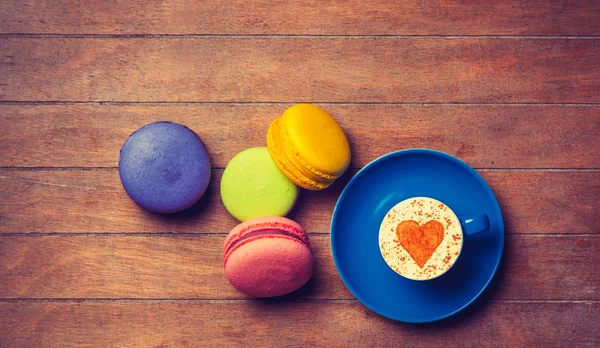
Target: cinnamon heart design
420, 241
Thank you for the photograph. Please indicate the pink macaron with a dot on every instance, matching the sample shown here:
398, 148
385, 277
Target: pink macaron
268, 256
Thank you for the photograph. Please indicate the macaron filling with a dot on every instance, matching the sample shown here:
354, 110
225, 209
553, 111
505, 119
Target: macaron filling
286, 165
303, 162
261, 232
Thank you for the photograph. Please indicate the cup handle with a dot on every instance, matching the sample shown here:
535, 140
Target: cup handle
475, 224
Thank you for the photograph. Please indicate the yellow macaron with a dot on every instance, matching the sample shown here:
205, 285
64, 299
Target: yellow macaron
309, 146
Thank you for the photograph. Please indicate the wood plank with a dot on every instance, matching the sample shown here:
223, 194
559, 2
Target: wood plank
290, 69
485, 136
94, 201
72, 201
290, 324
354, 17
191, 267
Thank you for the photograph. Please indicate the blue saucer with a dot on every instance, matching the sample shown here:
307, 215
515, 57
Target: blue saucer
363, 205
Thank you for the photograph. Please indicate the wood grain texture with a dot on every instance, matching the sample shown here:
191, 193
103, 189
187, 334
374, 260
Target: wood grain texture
291, 69
94, 201
460, 76
191, 267
354, 17
485, 136
290, 324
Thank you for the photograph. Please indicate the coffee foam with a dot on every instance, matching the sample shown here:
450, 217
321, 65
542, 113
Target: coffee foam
421, 210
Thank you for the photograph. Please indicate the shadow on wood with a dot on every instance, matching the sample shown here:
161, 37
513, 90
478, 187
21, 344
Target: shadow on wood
192, 213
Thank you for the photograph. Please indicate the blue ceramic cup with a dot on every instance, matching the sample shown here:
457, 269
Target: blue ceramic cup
421, 238
370, 195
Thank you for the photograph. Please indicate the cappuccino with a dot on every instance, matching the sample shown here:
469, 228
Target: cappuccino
420, 238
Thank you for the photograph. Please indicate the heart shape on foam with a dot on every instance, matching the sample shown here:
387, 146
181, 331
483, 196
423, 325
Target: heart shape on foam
420, 241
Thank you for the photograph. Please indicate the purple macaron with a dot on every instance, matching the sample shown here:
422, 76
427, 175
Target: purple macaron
164, 167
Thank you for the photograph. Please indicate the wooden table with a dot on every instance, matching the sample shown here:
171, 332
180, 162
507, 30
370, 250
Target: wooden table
511, 87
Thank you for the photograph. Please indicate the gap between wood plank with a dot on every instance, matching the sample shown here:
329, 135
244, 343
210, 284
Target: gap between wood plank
112, 169
301, 36
184, 103
199, 300
223, 234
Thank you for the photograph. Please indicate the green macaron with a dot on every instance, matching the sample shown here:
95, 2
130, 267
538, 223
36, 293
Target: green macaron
253, 186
